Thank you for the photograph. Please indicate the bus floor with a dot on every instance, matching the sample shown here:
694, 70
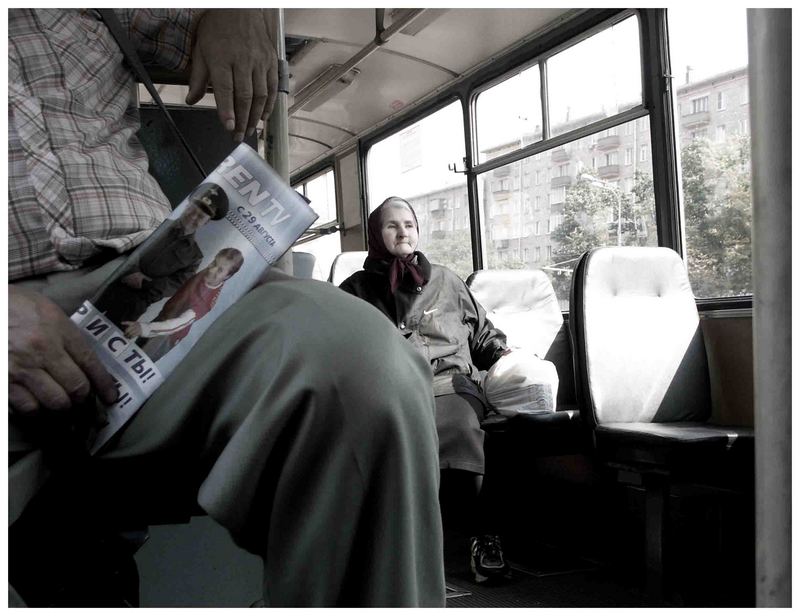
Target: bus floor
581, 545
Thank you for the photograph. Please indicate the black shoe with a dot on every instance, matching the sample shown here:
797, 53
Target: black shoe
486, 558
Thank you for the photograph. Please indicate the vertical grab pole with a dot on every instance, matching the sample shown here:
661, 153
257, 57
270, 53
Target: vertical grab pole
769, 33
276, 144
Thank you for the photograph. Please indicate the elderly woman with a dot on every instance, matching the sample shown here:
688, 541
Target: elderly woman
435, 311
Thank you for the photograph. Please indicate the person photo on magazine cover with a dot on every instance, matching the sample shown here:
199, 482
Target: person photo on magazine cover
172, 258
195, 299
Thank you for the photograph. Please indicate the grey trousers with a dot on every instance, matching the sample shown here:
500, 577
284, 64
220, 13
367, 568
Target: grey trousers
303, 424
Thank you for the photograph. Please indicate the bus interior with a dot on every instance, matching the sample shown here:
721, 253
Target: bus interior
537, 147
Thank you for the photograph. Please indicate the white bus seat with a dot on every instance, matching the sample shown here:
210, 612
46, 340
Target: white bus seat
643, 384
523, 304
303, 264
345, 264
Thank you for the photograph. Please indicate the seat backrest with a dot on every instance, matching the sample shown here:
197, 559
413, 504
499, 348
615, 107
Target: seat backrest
637, 343
523, 304
346, 264
303, 264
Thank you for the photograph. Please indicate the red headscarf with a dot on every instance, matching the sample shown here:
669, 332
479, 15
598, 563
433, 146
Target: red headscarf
398, 266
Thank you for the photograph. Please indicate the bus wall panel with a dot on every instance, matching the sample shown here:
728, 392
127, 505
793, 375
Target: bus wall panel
350, 202
729, 345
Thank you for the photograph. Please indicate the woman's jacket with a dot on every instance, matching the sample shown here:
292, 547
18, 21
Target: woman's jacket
441, 319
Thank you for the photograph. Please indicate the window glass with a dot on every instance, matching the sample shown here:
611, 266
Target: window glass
413, 164
579, 207
607, 65
321, 191
509, 112
711, 88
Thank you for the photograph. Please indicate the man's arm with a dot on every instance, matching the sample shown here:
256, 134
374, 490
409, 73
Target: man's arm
50, 364
233, 51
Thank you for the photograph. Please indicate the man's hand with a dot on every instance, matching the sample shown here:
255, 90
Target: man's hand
133, 329
234, 50
50, 363
134, 280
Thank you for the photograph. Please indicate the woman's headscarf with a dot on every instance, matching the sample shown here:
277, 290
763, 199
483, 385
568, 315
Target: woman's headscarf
398, 266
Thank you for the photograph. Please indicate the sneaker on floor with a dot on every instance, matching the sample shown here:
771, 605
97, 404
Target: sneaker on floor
486, 558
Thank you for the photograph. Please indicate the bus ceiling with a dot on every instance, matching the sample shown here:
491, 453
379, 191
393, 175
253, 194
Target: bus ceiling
353, 70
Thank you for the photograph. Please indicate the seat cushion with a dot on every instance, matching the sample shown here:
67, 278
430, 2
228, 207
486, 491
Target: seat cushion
704, 450
538, 434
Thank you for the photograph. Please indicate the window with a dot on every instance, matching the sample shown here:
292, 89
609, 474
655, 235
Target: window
615, 81
606, 63
715, 195
410, 149
743, 126
526, 254
321, 192
549, 252
643, 153
700, 104
558, 195
537, 254
509, 115
412, 163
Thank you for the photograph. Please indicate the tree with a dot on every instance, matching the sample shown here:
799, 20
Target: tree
590, 220
718, 213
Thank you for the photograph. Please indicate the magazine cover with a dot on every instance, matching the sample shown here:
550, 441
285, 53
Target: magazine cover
209, 252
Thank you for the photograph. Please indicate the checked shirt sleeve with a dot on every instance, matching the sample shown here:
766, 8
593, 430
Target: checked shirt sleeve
161, 36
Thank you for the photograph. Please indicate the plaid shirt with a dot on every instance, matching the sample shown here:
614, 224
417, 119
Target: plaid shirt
77, 175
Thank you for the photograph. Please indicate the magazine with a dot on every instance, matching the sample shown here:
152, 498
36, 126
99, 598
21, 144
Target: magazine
211, 250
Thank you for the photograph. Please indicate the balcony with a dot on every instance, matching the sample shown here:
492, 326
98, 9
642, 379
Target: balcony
691, 120
609, 142
608, 171
560, 155
561, 180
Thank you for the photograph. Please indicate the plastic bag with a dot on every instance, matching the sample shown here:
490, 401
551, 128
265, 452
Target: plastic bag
520, 382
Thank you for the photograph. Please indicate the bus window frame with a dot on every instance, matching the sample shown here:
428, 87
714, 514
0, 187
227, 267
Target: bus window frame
658, 104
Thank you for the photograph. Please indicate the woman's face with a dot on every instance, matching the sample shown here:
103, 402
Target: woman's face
399, 231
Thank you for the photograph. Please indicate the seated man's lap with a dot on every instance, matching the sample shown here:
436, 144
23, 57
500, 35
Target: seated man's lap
237, 390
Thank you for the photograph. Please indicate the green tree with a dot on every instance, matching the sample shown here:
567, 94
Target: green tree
718, 215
